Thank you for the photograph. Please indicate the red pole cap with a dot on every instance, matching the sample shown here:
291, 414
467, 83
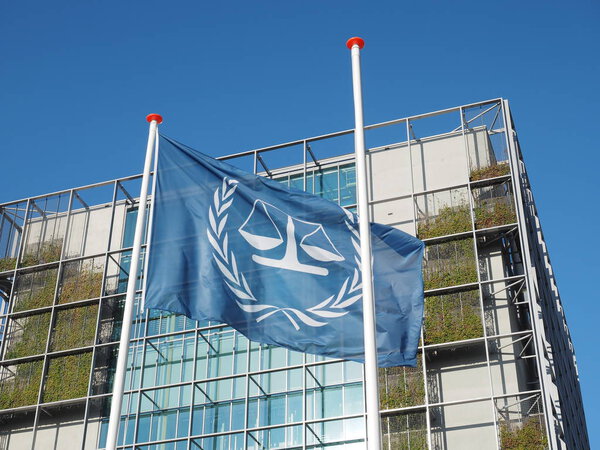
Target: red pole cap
151, 117
355, 41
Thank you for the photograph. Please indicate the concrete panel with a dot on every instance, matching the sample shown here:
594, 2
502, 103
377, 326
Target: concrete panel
16, 432
509, 372
439, 162
468, 426
88, 231
397, 213
389, 173
457, 373
58, 430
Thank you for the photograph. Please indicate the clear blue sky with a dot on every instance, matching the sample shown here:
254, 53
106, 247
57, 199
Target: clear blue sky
78, 78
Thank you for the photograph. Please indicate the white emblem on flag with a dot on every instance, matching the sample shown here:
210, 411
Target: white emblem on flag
314, 242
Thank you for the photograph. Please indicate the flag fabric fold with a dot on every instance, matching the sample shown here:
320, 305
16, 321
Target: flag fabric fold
279, 265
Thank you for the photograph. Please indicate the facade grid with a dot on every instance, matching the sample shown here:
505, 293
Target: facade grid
496, 366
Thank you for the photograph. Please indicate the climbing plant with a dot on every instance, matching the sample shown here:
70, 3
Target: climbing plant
492, 171
449, 264
43, 253
494, 213
21, 389
28, 336
7, 264
405, 431
450, 220
79, 283
531, 435
74, 328
68, 377
452, 317
35, 289
401, 386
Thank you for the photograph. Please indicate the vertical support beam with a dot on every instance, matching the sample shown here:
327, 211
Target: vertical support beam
46, 363
304, 164
476, 253
528, 266
415, 228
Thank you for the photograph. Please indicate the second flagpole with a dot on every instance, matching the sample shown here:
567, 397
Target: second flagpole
119, 379
355, 44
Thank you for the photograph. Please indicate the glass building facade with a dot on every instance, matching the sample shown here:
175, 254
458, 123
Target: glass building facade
496, 367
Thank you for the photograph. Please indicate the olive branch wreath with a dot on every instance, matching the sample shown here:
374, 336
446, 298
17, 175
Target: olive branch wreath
330, 308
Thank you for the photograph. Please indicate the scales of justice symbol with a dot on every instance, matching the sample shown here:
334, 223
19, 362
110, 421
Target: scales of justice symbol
268, 227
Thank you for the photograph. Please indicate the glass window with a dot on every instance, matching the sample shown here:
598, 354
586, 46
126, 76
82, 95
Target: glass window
353, 399
347, 185
237, 415
183, 422
326, 184
220, 361
294, 409
297, 182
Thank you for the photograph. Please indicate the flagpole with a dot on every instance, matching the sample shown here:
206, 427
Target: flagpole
119, 379
355, 44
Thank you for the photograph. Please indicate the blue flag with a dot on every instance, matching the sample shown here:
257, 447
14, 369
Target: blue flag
281, 266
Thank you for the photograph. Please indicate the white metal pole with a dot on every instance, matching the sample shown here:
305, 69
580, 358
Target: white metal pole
355, 44
119, 380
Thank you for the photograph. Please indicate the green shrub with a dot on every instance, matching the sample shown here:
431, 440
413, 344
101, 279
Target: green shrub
401, 386
450, 220
80, 285
493, 214
68, 377
530, 436
74, 328
493, 171
452, 317
7, 264
22, 389
450, 264
35, 290
31, 340
46, 253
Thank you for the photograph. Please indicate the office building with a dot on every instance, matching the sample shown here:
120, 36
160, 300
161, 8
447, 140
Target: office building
496, 366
